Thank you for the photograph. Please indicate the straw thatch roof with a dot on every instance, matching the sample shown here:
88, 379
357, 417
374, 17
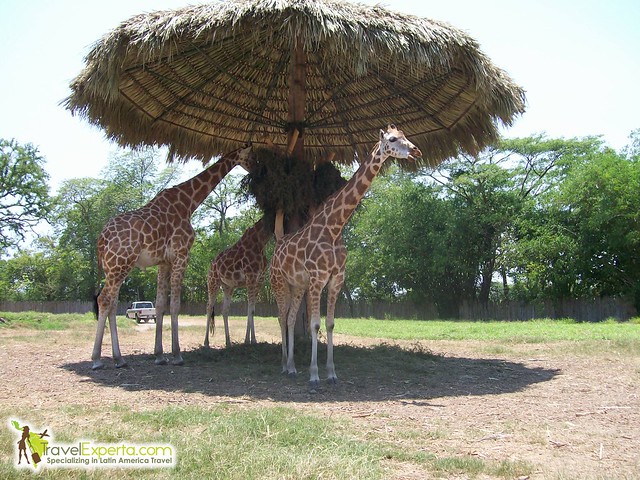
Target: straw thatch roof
204, 78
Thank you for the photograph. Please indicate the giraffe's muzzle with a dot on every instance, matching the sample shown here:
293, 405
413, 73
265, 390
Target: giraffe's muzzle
415, 153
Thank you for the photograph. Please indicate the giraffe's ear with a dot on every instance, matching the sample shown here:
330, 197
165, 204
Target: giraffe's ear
382, 132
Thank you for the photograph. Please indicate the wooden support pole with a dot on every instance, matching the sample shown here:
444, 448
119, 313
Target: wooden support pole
297, 97
295, 137
293, 140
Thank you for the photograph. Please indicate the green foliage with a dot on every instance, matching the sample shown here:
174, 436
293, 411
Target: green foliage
220, 206
554, 218
24, 193
601, 199
402, 244
47, 273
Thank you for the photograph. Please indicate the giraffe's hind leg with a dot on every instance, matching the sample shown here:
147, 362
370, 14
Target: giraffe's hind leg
115, 344
226, 304
107, 301
212, 291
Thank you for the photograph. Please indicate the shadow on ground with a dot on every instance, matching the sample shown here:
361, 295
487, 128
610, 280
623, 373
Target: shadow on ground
377, 373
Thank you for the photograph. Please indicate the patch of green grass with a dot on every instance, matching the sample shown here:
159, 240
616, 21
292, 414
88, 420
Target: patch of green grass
52, 321
221, 442
225, 442
472, 466
510, 469
533, 331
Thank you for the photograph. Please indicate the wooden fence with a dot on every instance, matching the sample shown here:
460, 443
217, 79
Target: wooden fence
584, 310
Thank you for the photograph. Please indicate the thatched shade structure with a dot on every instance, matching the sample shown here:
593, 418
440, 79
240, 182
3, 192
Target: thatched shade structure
205, 78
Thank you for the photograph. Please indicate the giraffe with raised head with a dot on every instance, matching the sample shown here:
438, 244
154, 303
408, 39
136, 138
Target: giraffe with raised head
160, 233
308, 260
240, 266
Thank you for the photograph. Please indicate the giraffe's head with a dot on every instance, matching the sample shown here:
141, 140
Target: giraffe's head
393, 143
245, 157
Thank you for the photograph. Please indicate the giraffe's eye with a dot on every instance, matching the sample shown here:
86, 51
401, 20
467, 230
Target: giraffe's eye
393, 139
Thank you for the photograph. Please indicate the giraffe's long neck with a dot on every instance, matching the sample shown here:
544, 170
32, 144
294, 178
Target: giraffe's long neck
257, 236
263, 234
338, 208
194, 191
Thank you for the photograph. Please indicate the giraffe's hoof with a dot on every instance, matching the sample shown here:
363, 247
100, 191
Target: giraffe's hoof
332, 380
293, 374
160, 361
313, 384
121, 363
177, 361
97, 365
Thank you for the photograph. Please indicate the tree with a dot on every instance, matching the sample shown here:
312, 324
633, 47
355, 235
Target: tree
24, 194
137, 173
601, 199
407, 241
497, 186
221, 204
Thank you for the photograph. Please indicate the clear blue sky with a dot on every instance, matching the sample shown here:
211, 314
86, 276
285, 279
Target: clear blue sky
579, 62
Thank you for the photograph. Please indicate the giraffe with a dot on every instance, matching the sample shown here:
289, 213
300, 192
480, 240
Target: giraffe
241, 265
307, 260
159, 233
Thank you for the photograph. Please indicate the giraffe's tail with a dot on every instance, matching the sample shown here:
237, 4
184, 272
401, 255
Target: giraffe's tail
211, 319
95, 303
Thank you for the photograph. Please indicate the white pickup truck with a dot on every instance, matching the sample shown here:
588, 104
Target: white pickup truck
142, 312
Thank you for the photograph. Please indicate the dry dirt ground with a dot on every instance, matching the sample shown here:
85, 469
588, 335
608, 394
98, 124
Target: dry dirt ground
571, 413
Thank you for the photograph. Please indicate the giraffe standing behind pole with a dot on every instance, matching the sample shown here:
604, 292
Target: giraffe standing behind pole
307, 260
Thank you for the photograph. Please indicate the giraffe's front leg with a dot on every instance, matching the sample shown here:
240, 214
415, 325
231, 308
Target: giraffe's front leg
282, 295
252, 294
291, 322
335, 284
313, 297
164, 272
177, 273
